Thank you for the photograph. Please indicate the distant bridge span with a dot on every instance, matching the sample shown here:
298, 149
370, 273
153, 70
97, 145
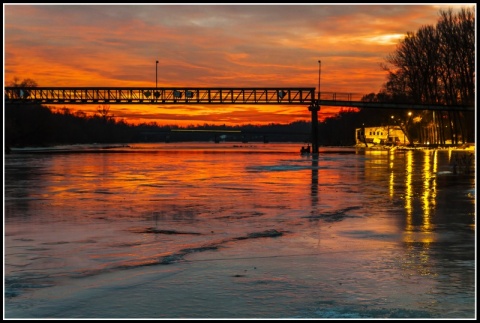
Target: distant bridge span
208, 96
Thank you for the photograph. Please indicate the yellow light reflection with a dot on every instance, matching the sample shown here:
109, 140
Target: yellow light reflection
423, 232
429, 187
408, 189
392, 174
427, 176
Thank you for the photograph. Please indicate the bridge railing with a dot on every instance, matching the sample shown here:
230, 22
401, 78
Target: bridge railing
339, 96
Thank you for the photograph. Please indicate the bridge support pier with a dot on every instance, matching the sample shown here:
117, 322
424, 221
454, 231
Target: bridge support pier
314, 108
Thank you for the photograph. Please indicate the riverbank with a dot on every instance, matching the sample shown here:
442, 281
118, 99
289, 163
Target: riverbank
463, 147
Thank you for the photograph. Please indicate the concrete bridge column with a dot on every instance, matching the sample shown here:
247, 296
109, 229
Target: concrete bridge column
314, 108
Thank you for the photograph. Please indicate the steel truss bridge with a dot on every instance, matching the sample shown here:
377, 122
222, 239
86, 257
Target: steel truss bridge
198, 95
170, 96
208, 96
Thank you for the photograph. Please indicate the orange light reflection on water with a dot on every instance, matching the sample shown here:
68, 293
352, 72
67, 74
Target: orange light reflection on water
154, 181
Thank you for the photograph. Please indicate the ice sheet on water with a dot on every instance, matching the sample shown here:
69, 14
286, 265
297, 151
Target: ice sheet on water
334, 216
15, 285
272, 233
277, 168
359, 312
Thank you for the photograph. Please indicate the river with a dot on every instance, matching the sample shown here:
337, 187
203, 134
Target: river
238, 230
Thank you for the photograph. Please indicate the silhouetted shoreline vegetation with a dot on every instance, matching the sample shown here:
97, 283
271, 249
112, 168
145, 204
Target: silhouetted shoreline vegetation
435, 65
38, 125
33, 125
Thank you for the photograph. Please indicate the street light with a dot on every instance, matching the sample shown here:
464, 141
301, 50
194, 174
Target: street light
156, 74
409, 120
319, 73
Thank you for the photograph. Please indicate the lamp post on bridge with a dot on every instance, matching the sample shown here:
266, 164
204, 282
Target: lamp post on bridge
319, 74
314, 108
156, 75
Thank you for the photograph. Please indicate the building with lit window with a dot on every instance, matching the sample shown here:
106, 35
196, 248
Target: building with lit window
388, 135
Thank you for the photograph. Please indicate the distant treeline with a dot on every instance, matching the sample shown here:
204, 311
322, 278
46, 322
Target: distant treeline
38, 125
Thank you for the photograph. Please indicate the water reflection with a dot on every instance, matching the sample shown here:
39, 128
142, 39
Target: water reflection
409, 189
413, 178
429, 187
314, 186
423, 170
391, 181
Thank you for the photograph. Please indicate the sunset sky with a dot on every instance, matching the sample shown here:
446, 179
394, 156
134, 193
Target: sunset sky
208, 45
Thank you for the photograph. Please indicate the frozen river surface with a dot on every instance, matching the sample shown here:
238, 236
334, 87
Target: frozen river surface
238, 231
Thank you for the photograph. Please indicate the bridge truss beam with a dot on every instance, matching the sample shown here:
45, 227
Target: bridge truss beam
163, 95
